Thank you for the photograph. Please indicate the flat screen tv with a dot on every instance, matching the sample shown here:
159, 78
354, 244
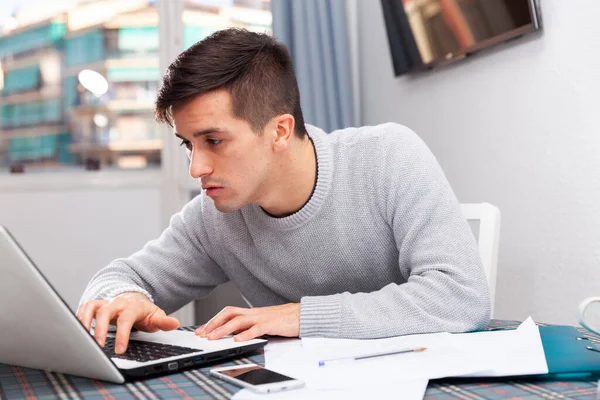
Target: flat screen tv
426, 33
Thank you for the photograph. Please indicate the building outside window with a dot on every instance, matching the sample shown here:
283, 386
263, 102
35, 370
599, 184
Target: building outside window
78, 81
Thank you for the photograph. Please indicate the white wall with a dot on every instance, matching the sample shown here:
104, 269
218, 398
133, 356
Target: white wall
517, 126
72, 233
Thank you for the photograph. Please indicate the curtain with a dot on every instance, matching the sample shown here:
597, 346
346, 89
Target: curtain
315, 32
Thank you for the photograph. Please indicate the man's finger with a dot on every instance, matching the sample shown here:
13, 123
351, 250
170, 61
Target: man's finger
236, 324
104, 315
252, 333
88, 312
125, 322
166, 323
200, 330
222, 317
156, 319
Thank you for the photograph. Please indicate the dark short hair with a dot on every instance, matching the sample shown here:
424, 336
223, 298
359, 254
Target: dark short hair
253, 67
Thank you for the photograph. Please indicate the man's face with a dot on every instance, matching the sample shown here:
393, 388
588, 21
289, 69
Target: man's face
231, 160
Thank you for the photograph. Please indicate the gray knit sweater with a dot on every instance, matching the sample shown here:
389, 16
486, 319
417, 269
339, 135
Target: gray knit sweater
380, 249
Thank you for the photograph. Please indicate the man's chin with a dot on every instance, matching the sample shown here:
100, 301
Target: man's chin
224, 207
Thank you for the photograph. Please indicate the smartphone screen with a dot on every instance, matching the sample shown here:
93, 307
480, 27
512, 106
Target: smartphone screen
256, 375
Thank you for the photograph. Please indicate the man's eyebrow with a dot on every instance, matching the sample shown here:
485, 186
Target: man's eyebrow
202, 132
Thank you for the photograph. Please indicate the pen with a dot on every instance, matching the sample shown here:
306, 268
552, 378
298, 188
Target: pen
370, 355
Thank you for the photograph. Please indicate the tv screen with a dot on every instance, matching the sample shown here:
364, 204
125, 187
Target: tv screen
426, 33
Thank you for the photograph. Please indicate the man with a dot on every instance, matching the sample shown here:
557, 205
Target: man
354, 234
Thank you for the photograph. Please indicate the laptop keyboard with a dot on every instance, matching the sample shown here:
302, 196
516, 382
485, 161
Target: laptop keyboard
146, 351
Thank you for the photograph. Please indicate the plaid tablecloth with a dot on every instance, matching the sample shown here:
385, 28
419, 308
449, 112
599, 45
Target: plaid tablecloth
25, 383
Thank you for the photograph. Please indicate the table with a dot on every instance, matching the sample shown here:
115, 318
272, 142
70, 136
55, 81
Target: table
25, 383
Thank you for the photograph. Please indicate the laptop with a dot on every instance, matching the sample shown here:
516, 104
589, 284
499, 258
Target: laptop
38, 330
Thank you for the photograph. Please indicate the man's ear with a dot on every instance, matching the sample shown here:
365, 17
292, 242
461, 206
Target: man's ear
283, 129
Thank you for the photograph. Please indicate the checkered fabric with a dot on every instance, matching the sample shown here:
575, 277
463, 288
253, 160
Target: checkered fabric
25, 383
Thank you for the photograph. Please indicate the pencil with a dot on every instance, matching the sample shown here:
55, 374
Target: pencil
370, 355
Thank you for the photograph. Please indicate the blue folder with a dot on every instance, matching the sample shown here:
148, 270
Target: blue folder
569, 353
567, 356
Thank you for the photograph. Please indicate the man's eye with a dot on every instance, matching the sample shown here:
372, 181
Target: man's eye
213, 142
187, 144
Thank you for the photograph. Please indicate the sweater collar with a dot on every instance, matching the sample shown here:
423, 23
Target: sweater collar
320, 192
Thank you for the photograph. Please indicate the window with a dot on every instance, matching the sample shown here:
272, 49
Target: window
77, 87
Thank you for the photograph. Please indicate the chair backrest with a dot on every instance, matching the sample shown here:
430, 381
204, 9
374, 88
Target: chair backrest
488, 238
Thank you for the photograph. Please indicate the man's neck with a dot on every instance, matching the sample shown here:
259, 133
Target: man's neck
294, 181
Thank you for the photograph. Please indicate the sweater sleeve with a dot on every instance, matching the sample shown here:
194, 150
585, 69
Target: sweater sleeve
445, 289
171, 270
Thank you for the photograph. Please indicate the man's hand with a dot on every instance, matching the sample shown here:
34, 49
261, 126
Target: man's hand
126, 310
249, 323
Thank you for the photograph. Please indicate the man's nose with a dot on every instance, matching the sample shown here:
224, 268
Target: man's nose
200, 165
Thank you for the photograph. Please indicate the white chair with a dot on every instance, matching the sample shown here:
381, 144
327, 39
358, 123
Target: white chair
488, 238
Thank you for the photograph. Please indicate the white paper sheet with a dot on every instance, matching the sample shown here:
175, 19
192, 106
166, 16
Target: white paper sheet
441, 359
507, 353
496, 353
280, 353
278, 347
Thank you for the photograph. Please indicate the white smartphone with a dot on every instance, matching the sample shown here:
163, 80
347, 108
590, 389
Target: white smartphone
256, 378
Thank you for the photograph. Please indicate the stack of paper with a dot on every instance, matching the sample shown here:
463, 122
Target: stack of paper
497, 353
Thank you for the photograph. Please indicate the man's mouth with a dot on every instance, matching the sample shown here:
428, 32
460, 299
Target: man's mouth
212, 190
